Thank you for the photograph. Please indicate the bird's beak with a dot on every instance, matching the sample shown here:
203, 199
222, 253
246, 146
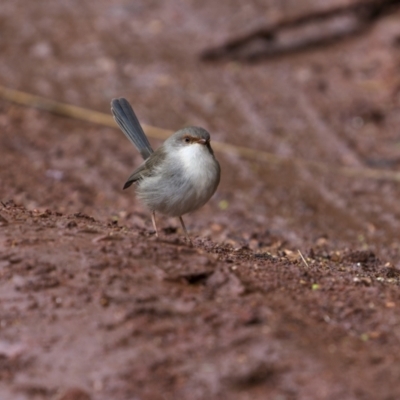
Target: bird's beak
202, 141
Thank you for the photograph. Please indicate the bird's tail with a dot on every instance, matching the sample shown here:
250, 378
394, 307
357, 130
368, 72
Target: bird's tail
128, 122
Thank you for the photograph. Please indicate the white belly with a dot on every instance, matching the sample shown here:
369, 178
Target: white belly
198, 164
194, 181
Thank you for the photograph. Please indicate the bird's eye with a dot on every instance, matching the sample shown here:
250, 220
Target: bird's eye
187, 140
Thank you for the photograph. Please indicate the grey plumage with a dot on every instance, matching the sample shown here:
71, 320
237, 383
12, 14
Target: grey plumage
130, 126
170, 189
177, 178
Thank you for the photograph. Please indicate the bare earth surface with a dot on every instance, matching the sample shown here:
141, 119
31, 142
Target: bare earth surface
292, 288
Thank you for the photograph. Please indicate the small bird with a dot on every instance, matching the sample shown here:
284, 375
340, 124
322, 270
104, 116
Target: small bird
179, 177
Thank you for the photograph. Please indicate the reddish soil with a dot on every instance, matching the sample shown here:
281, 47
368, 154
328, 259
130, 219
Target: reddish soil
292, 288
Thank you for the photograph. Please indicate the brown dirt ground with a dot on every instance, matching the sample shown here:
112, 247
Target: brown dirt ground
292, 288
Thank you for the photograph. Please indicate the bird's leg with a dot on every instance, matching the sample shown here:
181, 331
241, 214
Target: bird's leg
153, 218
185, 231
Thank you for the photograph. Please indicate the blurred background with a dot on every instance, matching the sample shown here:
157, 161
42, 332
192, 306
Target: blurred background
315, 83
295, 274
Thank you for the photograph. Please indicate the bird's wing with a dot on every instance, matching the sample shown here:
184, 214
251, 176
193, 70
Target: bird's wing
147, 168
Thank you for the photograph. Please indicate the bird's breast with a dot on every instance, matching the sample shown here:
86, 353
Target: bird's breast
199, 166
182, 183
